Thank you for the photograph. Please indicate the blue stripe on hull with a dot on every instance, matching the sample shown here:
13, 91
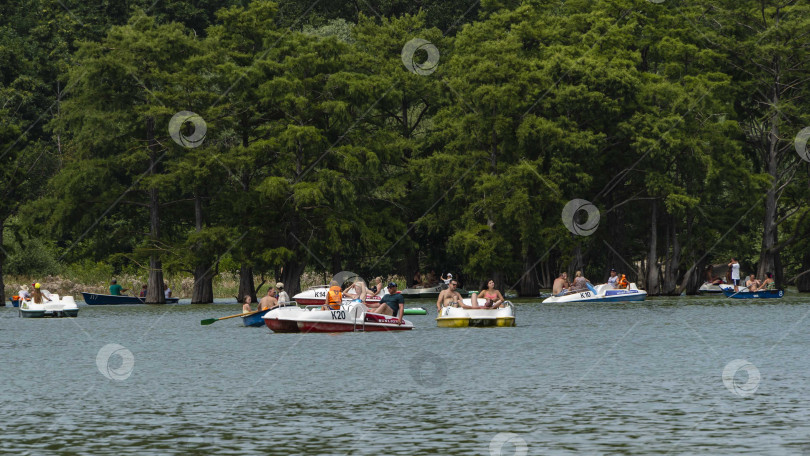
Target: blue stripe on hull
624, 298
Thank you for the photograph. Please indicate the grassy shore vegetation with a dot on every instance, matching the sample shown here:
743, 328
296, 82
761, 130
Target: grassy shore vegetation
410, 137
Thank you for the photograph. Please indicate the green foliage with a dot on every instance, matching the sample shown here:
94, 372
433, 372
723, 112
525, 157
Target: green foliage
323, 150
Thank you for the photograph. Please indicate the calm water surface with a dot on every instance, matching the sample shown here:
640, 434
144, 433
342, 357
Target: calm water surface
634, 378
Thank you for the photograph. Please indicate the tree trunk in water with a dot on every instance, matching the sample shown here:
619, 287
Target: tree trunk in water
203, 290
652, 257
246, 286
291, 277
767, 257
693, 279
154, 287
2, 260
528, 285
411, 266
674, 261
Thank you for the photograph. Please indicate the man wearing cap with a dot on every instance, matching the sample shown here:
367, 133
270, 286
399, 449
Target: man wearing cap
613, 281
447, 279
283, 297
391, 304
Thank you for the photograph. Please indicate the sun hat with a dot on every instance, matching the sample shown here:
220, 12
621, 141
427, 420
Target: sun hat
279, 285
449, 275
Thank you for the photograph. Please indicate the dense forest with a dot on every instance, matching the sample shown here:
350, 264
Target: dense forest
501, 138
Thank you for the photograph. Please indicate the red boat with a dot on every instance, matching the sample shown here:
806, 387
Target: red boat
349, 318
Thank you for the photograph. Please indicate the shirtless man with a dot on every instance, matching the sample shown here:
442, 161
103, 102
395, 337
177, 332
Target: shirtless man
752, 283
449, 297
269, 301
560, 284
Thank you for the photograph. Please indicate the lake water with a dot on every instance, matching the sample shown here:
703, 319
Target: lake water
632, 378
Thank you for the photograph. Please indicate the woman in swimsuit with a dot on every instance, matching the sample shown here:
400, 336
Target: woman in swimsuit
494, 297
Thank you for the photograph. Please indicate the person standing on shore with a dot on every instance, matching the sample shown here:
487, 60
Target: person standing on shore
734, 266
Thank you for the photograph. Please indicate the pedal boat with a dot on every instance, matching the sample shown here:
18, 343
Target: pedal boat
351, 317
316, 295
601, 293
56, 307
459, 317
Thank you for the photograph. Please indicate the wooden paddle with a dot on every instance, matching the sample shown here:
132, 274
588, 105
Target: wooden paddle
209, 321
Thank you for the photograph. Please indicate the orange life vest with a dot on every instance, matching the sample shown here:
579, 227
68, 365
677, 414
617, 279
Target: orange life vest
622, 283
334, 298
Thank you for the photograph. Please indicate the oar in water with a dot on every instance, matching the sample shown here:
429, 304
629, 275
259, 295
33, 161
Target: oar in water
209, 321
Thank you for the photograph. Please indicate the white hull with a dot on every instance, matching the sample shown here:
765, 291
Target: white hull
350, 317
56, 307
459, 317
601, 293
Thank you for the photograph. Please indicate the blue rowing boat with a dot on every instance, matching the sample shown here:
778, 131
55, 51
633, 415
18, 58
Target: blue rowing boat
764, 294
255, 320
95, 299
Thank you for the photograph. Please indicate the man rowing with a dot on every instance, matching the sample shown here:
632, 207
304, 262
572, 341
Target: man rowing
449, 296
269, 301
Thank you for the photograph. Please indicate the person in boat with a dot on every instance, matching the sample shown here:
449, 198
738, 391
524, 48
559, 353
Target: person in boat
622, 283
115, 289
334, 297
431, 279
447, 279
417, 280
381, 290
734, 267
38, 297
281, 295
768, 283
449, 297
580, 282
167, 292
24, 294
752, 283
613, 280
391, 304
246, 305
143, 292
494, 297
560, 284
269, 301
357, 291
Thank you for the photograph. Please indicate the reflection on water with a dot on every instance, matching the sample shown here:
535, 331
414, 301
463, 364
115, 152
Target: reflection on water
634, 378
